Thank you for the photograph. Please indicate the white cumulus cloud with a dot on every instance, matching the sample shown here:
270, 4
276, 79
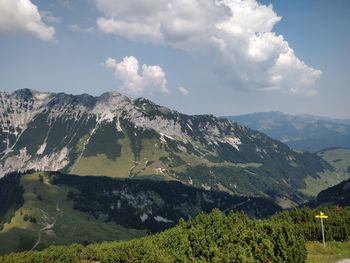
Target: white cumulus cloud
136, 80
183, 91
235, 35
22, 16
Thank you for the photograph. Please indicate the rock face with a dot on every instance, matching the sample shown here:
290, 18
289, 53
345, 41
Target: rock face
116, 136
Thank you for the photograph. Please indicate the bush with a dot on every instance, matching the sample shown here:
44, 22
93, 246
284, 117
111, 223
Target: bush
337, 225
210, 237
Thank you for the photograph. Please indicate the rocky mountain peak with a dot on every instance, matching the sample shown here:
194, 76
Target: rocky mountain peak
19, 107
63, 99
23, 94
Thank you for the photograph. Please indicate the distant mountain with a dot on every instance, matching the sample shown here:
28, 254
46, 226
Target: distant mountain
40, 209
115, 136
338, 194
300, 132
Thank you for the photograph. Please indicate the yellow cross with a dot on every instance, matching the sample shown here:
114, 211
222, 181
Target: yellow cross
321, 215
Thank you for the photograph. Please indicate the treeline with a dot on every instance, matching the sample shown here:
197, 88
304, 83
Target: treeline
210, 237
11, 196
124, 201
337, 225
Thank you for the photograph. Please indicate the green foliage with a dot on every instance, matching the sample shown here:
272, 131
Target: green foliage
104, 141
172, 161
135, 135
337, 225
95, 208
29, 218
207, 238
335, 195
339, 158
34, 136
55, 218
256, 181
124, 201
11, 196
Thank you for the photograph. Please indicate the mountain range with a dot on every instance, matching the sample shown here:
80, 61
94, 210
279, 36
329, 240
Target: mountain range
116, 136
300, 132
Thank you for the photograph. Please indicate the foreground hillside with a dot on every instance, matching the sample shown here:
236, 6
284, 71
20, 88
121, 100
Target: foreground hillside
302, 132
207, 238
41, 209
115, 136
214, 238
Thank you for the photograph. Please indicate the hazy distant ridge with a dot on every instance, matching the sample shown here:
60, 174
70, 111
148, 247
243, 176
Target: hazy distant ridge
301, 132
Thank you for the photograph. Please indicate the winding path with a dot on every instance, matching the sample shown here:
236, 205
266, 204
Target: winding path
132, 168
48, 227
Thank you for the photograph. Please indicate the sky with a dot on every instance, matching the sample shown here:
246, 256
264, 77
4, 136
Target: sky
222, 57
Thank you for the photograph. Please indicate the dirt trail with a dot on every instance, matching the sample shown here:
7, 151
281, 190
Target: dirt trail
130, 174
48, 227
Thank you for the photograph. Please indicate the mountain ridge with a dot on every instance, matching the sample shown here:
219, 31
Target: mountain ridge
116, 136
301, 132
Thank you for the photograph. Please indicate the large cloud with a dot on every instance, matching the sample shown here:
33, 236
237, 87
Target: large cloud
136, 81
236, 35
21, 16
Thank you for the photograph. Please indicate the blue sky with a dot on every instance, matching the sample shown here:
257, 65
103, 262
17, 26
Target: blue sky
228, 59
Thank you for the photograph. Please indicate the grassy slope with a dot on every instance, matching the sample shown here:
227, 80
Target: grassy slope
340, 160
150, 164
100, 164
150, 152
333, 252
125, 164
70, 225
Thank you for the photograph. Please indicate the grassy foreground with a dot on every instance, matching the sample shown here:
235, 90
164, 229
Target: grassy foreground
333, 252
